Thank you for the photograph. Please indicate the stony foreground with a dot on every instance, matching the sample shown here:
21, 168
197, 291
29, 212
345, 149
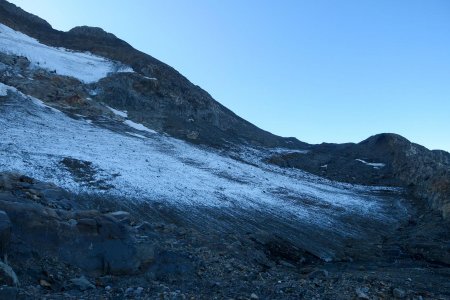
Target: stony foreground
57, 246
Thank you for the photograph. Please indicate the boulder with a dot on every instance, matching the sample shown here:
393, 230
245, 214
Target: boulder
121, 216
399, 293
95, 242
361, 293
82, 283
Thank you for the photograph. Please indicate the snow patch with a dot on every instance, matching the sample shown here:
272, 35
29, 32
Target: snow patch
374, 165
38, 102
136, 135
5, 88
84, 66
119, 113
138, 126
288, 151
4, 91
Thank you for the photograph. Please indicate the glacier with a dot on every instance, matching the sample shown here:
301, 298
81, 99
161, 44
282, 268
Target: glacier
142, 166
84, 66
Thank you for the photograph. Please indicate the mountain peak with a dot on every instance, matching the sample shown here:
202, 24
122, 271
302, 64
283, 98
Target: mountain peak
388, 140
12, 14
89, 31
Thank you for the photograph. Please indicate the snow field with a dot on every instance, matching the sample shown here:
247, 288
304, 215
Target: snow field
35, 138
84, 66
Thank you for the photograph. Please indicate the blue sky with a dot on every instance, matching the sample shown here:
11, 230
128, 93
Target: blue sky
334, 71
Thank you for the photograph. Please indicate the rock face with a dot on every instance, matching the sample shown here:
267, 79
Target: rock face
82, 283
95, 242
160, 98
93, 32
48, 239
384, 159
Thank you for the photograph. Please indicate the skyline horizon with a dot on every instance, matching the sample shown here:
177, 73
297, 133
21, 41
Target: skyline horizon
345, 116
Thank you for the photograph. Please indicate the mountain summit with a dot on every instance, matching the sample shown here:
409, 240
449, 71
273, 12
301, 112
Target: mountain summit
121, 179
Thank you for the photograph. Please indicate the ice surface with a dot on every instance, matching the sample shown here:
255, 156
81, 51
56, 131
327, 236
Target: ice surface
82, 65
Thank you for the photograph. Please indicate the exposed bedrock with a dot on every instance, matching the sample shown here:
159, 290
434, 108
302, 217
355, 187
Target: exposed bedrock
384, 159
42, 217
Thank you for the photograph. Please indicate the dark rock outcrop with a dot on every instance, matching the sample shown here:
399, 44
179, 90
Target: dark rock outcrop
91, 32
384, 159
95, 242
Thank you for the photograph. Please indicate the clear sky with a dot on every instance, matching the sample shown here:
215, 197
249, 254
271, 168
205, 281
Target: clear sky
334, 71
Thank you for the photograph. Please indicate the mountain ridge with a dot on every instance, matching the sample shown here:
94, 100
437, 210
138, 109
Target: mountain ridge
169, 80
383, 159
11, 11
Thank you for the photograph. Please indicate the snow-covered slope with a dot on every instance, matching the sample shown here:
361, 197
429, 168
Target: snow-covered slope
102, 154
139, 166
154, 168
84, 66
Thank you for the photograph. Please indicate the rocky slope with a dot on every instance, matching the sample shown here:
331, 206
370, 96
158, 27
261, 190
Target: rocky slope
67, 247
121, 179
384, 159
166, 100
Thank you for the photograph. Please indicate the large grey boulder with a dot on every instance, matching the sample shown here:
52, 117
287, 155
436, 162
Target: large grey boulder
96, 243
82, 283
